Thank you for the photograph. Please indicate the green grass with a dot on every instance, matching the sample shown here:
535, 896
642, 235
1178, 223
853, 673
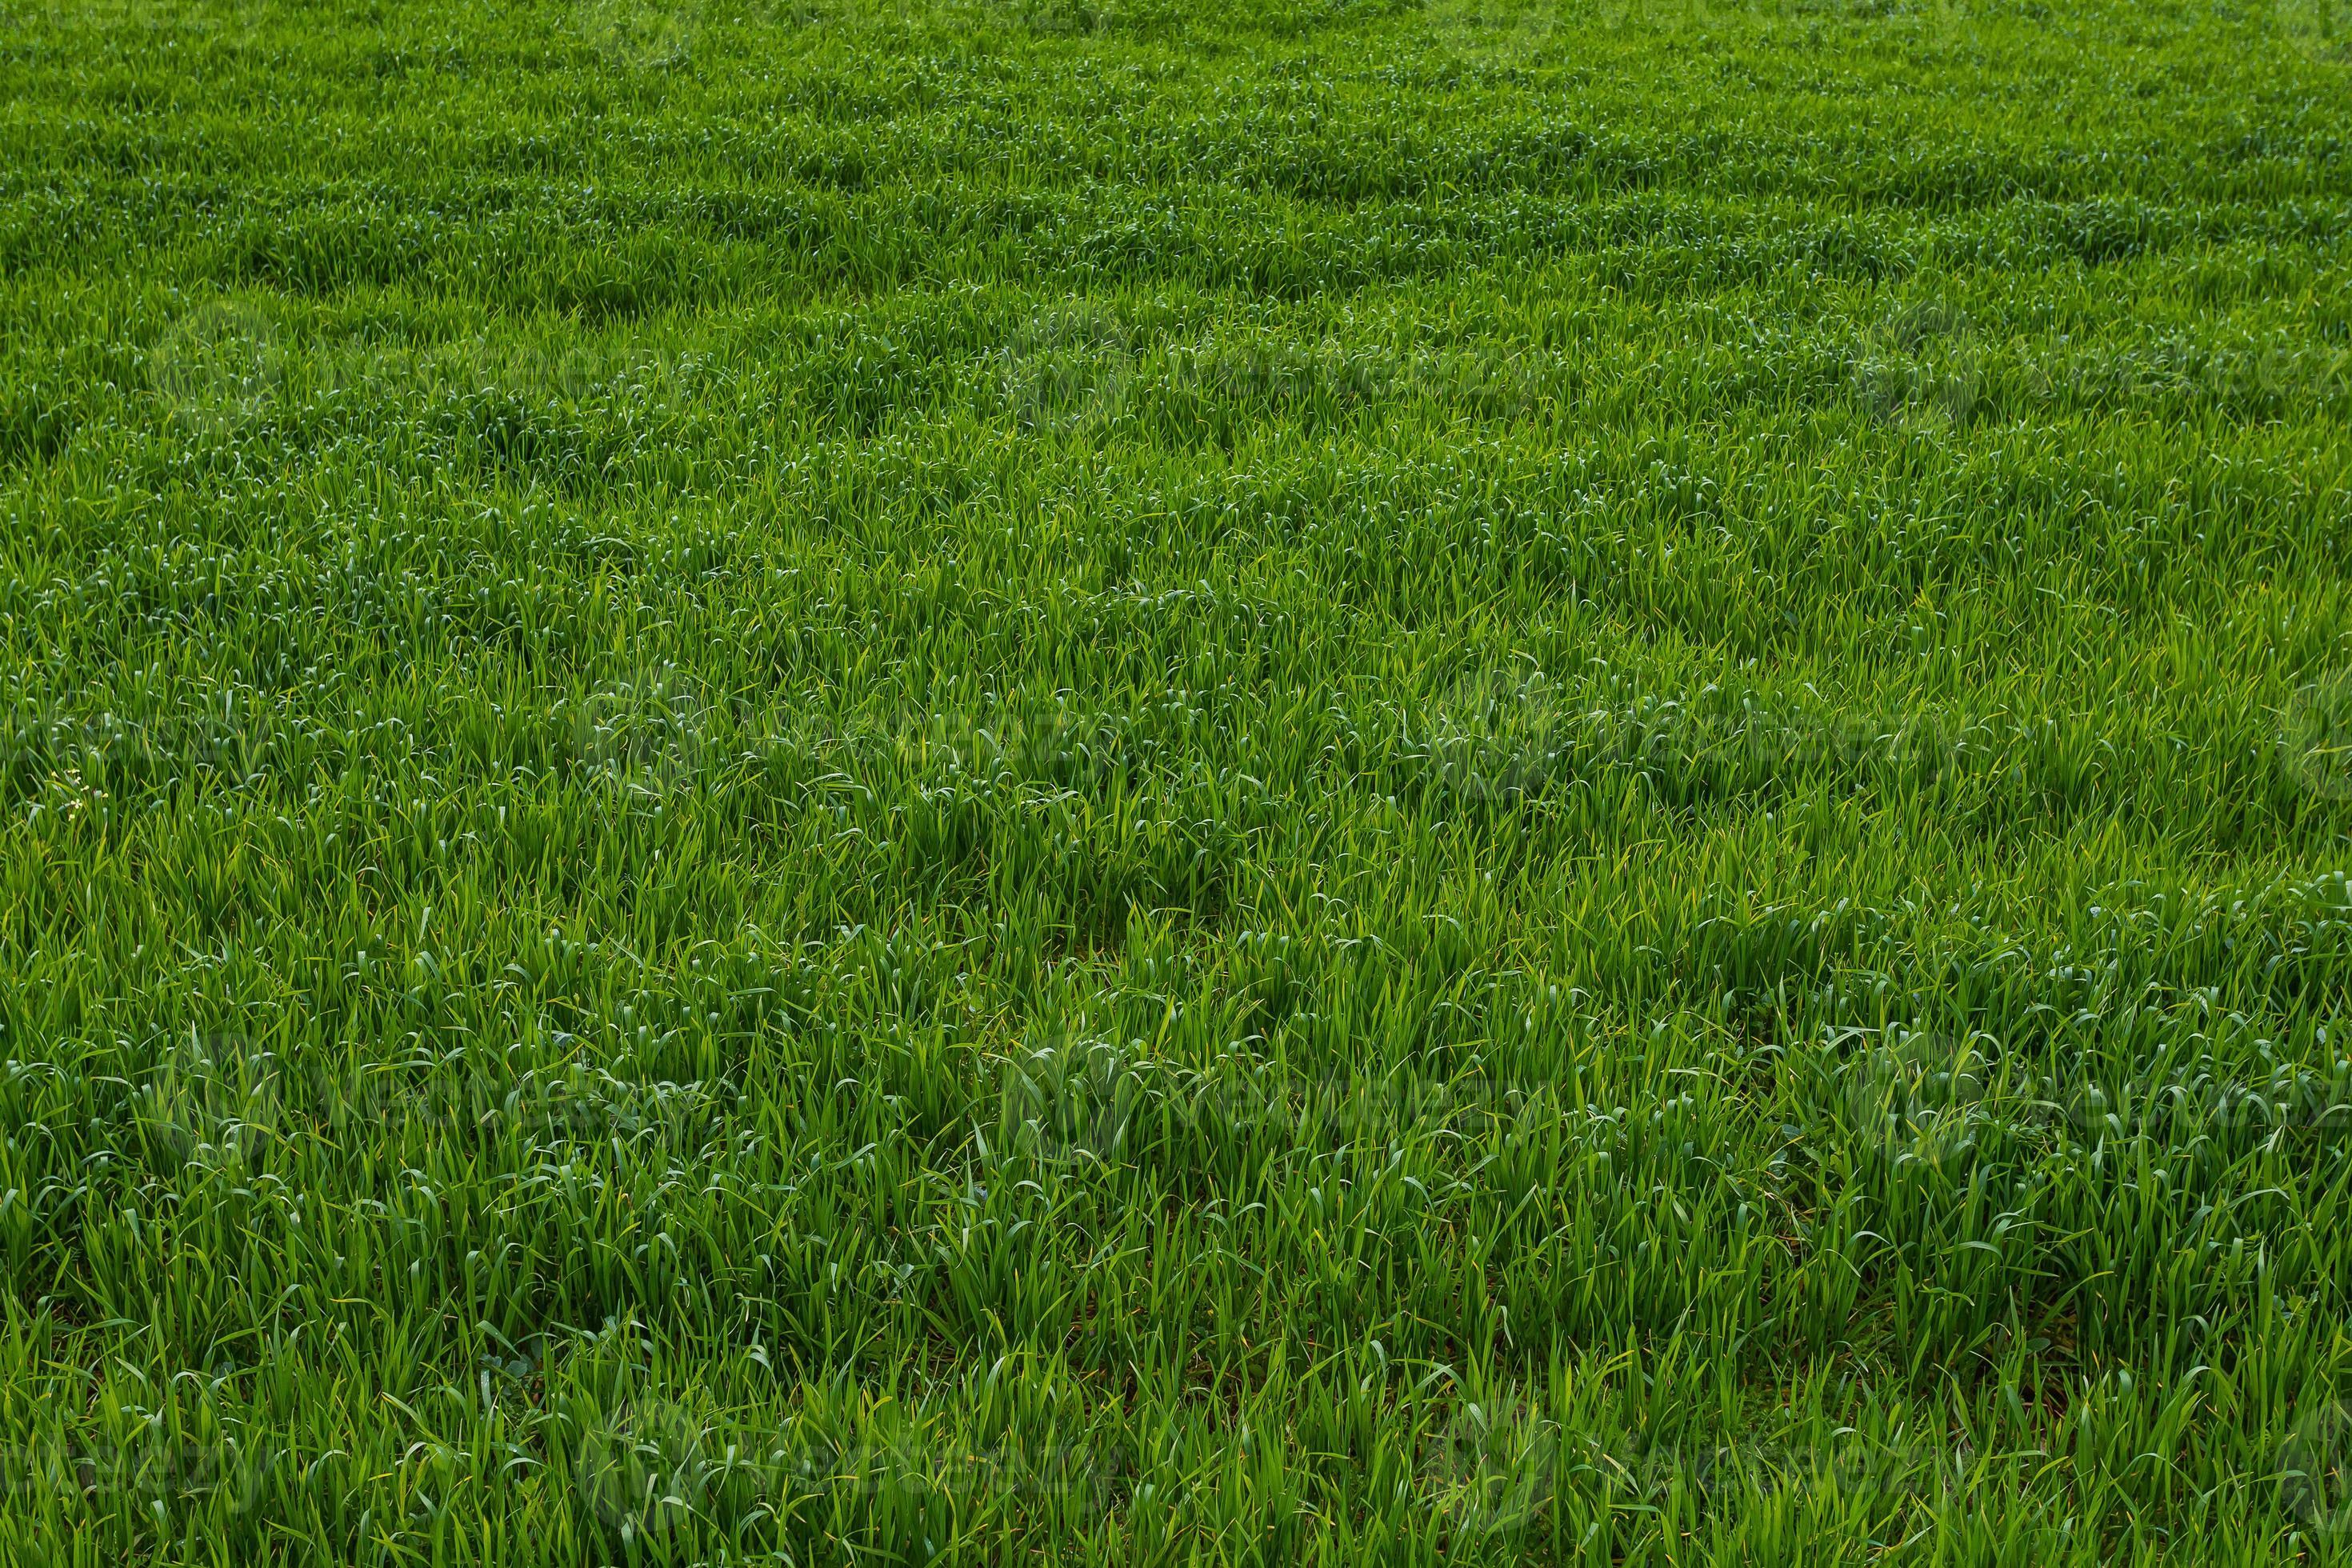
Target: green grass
1317, 781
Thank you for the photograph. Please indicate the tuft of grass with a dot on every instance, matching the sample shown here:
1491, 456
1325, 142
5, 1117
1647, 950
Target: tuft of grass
981, 781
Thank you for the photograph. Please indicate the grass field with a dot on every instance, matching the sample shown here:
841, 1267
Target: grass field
1311, 781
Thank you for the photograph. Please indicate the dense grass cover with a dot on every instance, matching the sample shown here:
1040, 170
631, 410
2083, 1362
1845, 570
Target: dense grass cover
1314, 779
